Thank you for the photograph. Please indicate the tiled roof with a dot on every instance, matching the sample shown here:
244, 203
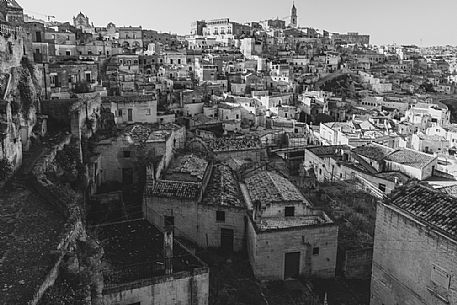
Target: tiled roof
373, 151
450, 190
410, 157
427, 137
188, 166
223, 189
233, 144
327, 150
428, 205
235, 164
175, 189
270, 187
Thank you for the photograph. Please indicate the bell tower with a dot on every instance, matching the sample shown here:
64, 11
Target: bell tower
293, 17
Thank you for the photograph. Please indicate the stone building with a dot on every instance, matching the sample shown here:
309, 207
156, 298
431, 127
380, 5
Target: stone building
132, 109
11, 11
123, 157
414, 259
131, 38
66, 76
82, 23
203, 202
364, 166
286, 237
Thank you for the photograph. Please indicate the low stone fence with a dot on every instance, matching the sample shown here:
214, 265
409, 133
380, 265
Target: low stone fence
69, 205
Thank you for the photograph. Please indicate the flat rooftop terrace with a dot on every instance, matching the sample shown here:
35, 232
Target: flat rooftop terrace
134, 251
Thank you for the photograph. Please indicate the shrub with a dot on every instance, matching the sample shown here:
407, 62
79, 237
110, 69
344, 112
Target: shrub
6, 169
81, 87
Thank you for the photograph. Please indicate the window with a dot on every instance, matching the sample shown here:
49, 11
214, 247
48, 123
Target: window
316, 251
148, 111
169, 220
126, 154
382, 187
119, 112
220, 216
289, 211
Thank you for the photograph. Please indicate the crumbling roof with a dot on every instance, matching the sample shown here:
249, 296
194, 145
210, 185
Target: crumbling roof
270, 187
187, 168
278, 223
233, 144
410, 157
327, 150
428, 205
175, 189
223, 189
141, 133
373, 151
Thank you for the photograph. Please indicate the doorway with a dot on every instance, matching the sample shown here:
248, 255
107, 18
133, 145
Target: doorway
291, 265
127, 176
227, 239
130, 115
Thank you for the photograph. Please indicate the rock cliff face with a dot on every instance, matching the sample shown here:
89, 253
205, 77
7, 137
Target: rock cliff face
20, 93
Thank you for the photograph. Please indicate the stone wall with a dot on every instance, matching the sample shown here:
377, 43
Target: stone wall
406, 253
65, 203
357, 263
190, 288
184, 211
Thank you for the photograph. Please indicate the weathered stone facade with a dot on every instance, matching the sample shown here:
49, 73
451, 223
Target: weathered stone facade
412, 263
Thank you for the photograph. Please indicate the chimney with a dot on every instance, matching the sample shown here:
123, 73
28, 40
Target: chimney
168, 250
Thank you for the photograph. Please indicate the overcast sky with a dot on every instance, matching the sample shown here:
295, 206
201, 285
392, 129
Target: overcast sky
420, 22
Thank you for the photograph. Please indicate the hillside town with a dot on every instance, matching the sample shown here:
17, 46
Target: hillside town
241, 163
